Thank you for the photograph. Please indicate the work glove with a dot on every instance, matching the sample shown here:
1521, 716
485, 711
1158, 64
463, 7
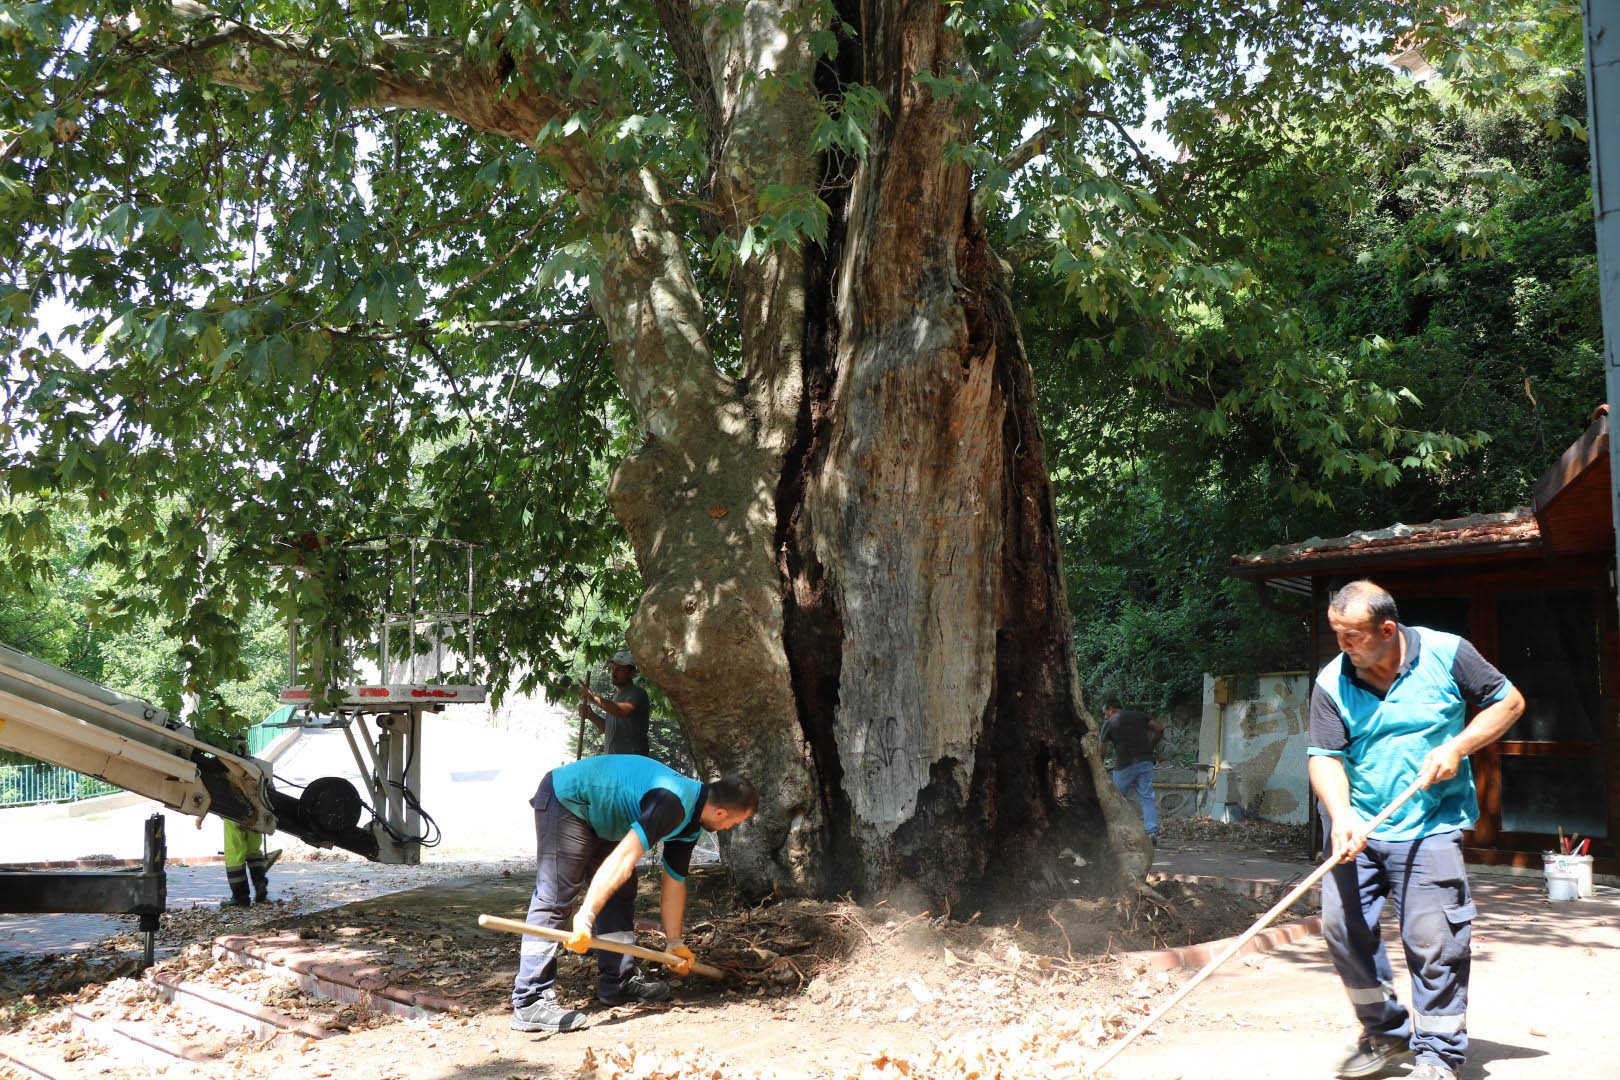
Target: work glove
678, 948
580, 939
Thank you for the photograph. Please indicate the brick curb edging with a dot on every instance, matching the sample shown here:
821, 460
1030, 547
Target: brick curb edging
355, 982
228, 1009
1273, 937
15, 1061
111, 864
1196, 956
123, 1037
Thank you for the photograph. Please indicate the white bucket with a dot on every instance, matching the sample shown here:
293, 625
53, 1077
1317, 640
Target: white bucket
1562, 887
1574, 868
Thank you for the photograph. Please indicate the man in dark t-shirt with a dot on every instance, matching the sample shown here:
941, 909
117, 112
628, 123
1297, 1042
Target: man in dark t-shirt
623, 717
593, 820
1134, 735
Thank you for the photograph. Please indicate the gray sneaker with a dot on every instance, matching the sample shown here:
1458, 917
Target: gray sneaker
637, 988
1373, 1054
1431, 1070
544, 1014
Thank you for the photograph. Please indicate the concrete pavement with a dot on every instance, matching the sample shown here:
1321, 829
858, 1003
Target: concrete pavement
1544, 994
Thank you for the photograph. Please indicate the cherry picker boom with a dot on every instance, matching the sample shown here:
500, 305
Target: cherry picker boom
60, 718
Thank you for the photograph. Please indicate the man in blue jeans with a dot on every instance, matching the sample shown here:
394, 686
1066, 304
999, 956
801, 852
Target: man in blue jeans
593, 820
1134, 735
1390, 710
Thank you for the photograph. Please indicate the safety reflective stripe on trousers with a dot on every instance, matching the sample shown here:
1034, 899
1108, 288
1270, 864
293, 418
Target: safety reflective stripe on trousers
1440, 1025
618, 937
1371, 995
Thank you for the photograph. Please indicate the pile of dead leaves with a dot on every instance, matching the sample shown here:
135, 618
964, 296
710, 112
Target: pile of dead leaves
1051, 1041
629, 1063
1044, 1042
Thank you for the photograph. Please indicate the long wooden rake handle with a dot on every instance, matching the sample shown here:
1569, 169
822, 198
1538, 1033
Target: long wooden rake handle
1265, 920
669, 960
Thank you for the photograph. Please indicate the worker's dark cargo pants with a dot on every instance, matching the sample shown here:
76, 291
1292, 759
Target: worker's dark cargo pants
1429, 885
567, 852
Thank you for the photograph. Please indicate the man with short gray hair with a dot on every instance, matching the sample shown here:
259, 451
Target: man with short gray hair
1392, 709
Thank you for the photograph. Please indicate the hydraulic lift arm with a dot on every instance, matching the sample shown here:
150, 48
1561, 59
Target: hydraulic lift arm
58, 717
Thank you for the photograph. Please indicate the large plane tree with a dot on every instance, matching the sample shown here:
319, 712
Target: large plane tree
294, 270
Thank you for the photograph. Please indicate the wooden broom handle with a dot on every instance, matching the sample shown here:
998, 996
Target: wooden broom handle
669, 960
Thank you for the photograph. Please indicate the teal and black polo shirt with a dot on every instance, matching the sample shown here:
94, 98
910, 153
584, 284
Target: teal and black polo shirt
1383, 738
617, 793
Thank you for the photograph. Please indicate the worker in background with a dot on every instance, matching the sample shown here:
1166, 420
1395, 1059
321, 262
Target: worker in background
623, 718
245, 859
1134, 735
593, 819
1390, 710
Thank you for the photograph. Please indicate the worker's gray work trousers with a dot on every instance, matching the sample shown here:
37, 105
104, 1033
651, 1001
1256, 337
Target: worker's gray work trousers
1429, 885
567, 852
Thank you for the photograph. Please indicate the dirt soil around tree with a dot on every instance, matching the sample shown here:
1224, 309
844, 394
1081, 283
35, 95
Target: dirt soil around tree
822, 989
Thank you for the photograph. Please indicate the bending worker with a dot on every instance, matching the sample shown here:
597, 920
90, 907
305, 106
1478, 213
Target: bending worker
593, 820
1392, 709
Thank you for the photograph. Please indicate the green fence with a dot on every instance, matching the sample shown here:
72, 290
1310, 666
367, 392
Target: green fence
27, 785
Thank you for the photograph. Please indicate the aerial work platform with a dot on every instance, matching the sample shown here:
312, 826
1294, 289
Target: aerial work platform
412, 656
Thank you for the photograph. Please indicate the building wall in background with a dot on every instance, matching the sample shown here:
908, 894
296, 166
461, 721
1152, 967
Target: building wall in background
1255, 747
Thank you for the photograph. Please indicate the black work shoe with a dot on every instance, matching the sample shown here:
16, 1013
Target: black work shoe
546, 1015
1374, 1054
636, 988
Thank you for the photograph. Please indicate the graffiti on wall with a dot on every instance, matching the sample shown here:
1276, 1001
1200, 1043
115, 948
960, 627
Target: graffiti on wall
1254, 745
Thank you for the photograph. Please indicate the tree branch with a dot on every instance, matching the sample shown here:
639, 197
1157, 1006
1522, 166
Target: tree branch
425, 328
401, 72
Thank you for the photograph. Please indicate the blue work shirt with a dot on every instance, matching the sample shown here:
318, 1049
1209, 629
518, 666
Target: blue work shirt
609, 793
1383, 738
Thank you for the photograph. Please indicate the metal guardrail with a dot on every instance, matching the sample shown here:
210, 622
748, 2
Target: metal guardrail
27, 785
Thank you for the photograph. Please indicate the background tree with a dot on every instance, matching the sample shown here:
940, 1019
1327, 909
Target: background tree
342, 270
1458, 261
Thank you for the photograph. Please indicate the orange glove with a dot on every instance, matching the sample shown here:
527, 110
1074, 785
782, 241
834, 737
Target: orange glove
687, 959
579, 940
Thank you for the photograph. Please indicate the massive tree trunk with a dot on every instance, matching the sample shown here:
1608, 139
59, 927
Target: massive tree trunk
853, 589
854, 592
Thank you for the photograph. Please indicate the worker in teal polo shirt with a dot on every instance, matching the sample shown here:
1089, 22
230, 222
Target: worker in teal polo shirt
1390, 710
593, 820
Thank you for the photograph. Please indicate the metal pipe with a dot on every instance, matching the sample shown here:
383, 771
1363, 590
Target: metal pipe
411, 675
1600, 21
472, 623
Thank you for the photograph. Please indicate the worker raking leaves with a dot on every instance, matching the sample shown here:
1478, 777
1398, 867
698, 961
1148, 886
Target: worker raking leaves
1390, 712
593, 820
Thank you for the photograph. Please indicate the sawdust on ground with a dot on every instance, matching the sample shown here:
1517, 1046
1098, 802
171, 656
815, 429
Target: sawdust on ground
815, 989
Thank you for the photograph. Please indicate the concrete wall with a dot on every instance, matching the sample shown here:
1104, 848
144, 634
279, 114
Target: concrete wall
1256, 746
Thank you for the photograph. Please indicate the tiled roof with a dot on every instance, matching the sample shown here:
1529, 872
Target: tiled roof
1515, 530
